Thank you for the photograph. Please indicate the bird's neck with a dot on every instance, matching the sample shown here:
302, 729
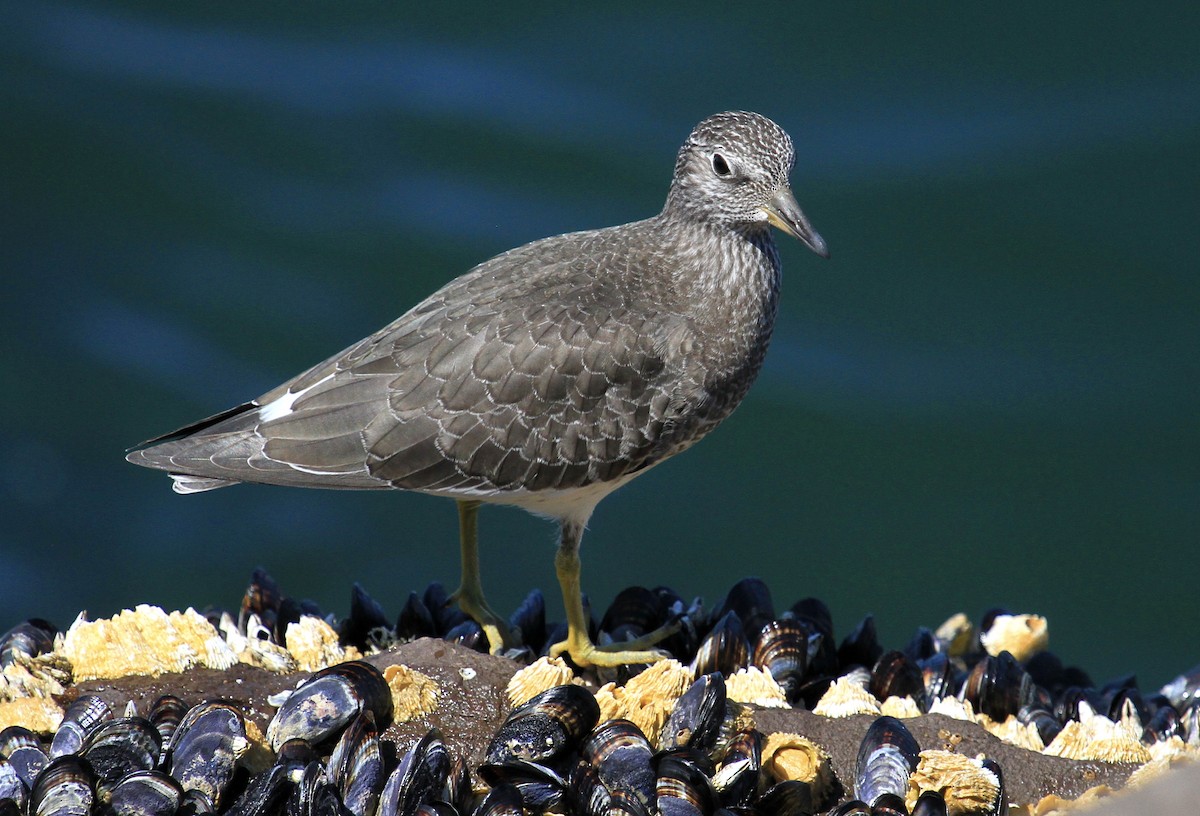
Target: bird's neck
734, 272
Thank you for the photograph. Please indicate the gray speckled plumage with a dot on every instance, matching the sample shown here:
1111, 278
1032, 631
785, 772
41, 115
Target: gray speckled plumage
572, 361
551, 374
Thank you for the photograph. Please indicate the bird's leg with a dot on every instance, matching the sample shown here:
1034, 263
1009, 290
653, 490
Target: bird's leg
469, 595
578, 643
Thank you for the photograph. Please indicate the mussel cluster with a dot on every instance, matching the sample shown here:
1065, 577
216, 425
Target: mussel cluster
799, 649
176, 759
552, 754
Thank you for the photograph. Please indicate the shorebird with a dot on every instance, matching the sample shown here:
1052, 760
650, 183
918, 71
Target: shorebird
546, 377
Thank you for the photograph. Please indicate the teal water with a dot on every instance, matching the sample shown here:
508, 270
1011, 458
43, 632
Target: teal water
988, 397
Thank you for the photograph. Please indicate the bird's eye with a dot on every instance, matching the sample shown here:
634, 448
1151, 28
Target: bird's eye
721, 166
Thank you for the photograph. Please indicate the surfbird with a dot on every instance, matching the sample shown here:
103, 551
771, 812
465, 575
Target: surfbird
546, 377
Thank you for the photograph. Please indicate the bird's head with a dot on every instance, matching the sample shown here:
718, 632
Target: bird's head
733, 170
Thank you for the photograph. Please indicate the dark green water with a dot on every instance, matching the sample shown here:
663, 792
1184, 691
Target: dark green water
989, 397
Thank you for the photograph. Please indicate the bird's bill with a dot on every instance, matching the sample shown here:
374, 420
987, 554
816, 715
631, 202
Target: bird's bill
783, 212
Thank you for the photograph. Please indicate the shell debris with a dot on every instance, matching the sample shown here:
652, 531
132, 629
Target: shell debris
413, 694
144, 640
753, 685
846, 698
966, 784
46, 675
544, 673
1022, 636
957, 632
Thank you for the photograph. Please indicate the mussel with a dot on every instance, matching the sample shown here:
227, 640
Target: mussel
547, 726
887, 756
329, 700
205, 749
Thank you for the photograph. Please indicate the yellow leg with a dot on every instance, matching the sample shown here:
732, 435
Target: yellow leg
578, 643
469, 595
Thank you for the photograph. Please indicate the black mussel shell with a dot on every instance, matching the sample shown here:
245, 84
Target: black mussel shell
445, 614
695, 721
541, 787
419, 779
622, 757
1043, 720
415, 620
145, 793
889, 804
265, 794
26, 640
12, 787
683, 787
206, 747
470, 634
548, 726
782, 650
750, 600
356, 766
930, 803
367, 624
165, 714
1000, 805
329, 700
501, 800
937, 676
724, 649
529, 620
65, 788
1162, 725
998, 686
80, 717
923, 645
120, 747
895, 674
887, 757
788, 798
24, 752
861, 647
737, 777
854, 807
634, 612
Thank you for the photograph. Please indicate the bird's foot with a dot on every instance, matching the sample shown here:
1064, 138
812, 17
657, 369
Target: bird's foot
584, 653
499, 635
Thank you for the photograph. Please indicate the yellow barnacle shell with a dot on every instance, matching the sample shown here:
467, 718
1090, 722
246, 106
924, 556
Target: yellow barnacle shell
145, 640
413, 694
1097, 738
1013, 731
967, 786
39, 714
313, 644
794, 757
901, 708
540, 675
845, 698
753, 685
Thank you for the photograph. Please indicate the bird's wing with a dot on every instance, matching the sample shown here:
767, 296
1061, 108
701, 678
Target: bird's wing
506, 379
